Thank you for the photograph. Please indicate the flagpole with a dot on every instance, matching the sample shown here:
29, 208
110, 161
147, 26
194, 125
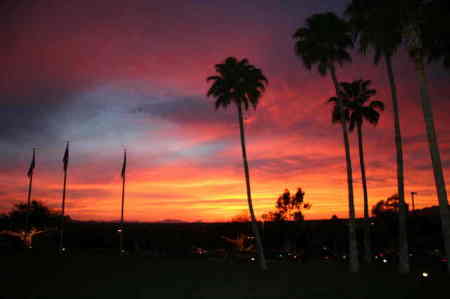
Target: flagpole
61, 232
123, 201
27, 217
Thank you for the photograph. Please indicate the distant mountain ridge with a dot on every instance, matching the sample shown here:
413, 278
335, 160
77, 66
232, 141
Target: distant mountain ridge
172, 221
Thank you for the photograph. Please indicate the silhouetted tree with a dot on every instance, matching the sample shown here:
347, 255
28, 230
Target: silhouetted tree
324, 42
242, 84
427, 21
355, 97
437, 31
386, 213
377, 25
289, 206
387, 208
41, 216
41, 219
426, 32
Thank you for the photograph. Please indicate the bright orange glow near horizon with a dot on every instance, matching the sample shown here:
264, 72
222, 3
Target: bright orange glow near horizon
134, 76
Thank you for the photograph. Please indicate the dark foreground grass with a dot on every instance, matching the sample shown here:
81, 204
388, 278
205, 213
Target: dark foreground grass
28, 276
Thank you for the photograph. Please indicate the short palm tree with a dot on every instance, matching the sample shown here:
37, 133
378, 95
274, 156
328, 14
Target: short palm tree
376, 25
355, 97
426, 40
324, 41
242, 84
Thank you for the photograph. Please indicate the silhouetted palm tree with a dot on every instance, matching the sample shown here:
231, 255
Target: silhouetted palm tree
436, 29
324, 42
377, 25
424, 38
355, 97
242, 84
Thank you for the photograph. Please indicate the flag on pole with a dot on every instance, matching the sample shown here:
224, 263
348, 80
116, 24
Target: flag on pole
124, 166
66, 157
31, 169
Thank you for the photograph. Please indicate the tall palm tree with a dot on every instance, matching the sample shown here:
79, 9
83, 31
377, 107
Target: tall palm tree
324, 42
438, 31
355, 97
376, 25
424, 40
242, 84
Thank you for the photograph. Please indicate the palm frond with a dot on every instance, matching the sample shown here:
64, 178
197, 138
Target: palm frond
377, 105
355, 96
316, 44
237, 82
377, 24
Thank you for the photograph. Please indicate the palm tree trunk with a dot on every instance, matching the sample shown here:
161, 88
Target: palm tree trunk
353, 248
367, 243
259, 247
402, 230
435, 158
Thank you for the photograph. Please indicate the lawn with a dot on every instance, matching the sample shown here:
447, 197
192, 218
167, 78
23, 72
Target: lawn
96, 276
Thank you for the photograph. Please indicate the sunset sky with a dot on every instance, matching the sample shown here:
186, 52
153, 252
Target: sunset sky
109, 74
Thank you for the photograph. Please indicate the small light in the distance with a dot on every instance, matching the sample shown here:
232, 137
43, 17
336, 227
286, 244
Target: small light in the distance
425, 274
385, 261
252, 259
